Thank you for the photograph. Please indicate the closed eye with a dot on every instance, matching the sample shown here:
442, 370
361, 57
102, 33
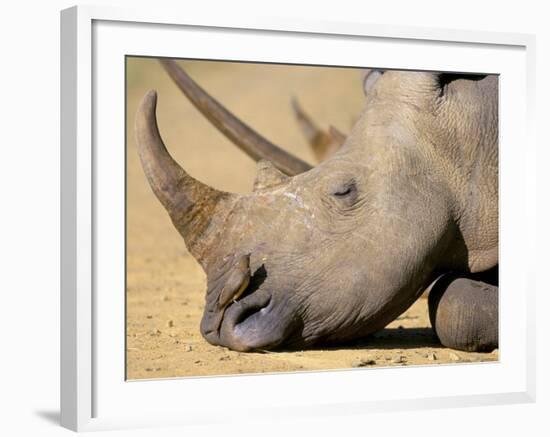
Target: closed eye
344, 191
342, 195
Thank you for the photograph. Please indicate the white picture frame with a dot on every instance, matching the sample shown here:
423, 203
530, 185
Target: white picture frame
94, 394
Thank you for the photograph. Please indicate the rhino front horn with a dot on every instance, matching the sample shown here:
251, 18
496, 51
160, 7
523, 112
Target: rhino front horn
190, 203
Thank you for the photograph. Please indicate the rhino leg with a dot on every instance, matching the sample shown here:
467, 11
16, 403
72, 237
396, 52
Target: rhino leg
464, 313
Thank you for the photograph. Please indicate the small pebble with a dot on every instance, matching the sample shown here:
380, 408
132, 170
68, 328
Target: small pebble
155, 332
362, 362
432, 357
224, 358
453, 356
398, 359
197, 361
149, 316
170, 323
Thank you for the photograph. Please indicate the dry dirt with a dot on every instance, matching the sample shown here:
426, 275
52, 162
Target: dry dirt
165, 285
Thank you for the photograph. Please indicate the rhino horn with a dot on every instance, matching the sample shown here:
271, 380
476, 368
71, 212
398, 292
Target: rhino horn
190, 203
322, 143
267, 175
337, 135
244, 137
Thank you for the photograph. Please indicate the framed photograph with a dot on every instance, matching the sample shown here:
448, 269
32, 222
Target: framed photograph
252, 208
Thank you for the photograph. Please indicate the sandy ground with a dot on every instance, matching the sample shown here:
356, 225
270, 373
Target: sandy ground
165, 285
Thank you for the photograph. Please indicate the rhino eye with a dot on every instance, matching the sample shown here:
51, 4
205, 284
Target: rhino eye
347, 191
344, 192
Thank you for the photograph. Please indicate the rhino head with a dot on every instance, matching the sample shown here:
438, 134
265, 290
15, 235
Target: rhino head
335, 252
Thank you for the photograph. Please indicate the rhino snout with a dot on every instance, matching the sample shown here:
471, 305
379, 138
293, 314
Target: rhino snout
248, 324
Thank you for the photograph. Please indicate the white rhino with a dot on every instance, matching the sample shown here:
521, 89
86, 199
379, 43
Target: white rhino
336, 252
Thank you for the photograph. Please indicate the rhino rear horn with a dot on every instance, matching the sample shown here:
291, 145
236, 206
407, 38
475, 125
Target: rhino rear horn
268, 176
190, 203
244, 137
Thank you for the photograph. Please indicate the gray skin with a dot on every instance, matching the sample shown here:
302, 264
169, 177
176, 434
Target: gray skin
339, 251
464, 313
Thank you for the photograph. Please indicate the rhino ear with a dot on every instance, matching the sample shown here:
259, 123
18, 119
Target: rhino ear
268, 175
370, 77
444, 79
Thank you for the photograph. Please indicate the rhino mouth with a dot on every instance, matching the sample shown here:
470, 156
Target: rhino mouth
247, 324
257, 320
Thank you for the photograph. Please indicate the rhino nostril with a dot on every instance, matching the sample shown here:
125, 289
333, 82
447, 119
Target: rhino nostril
250, 310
